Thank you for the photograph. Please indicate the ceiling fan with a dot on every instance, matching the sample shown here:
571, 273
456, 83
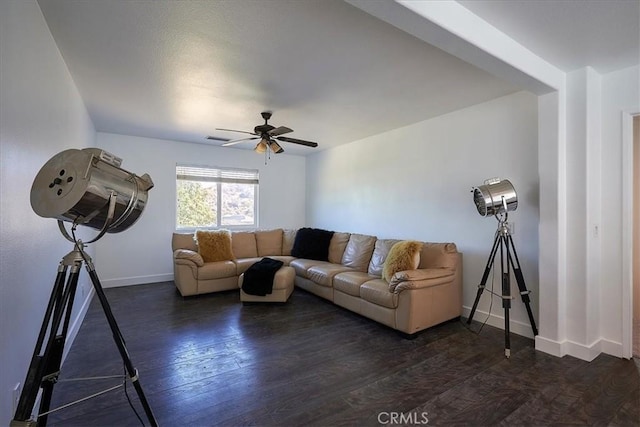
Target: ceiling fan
268, 136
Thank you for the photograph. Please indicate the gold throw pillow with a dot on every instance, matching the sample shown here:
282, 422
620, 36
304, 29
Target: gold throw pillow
214, 245
403, 256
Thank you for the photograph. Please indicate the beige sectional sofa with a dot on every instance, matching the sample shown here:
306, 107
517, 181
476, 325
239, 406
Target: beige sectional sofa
410, 301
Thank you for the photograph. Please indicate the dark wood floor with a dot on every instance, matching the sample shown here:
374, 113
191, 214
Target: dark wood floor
208, 360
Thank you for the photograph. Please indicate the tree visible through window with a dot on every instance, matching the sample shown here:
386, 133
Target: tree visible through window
209, 197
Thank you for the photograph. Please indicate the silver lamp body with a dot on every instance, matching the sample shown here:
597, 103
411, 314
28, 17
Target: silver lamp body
78, 186
495, 197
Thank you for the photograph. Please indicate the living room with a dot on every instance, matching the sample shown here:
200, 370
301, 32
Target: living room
412, 181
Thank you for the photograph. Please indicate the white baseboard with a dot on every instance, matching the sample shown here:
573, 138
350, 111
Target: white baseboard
517, 327
137, 280
577, 350
555, 348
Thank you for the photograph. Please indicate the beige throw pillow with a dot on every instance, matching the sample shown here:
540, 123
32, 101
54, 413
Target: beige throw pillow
214, 245
403, 256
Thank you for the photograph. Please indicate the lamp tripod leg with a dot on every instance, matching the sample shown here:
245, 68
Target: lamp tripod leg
45, 365
119, 341
485, 276
524, 293
506, 295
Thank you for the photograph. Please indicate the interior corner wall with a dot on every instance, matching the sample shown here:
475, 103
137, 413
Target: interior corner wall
552, 235
41, 114
142, 253
415, 182
620, 93
583, 179
636, 221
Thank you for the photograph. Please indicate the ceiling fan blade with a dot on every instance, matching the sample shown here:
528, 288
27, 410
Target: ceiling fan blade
215, 138
297, 141
238, 141
233, 130
279, 131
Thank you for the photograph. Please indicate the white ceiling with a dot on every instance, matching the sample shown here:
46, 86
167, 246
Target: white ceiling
570, 34
178, 70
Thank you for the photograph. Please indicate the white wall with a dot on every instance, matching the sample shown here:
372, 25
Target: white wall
415, 182
142, 253
41, 113
620, 93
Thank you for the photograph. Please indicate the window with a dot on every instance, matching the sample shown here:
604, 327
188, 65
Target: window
211, 197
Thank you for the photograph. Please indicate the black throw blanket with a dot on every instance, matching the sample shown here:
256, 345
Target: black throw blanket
258, 279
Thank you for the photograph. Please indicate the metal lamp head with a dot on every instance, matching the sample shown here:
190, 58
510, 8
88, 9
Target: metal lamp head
495, 197
88, 187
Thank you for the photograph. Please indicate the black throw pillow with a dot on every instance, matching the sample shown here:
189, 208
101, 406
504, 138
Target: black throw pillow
312, 243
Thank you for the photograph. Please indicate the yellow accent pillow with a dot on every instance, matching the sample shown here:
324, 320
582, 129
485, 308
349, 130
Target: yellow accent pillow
403, 256
214, 245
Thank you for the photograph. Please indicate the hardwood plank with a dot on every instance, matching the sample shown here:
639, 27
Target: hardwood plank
208, 360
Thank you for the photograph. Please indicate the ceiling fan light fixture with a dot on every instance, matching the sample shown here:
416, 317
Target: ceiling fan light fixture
275, 147
261, 147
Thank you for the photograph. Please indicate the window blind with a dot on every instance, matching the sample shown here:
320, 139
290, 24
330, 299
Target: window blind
214, 174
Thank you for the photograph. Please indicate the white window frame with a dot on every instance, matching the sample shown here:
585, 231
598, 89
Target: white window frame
219, 175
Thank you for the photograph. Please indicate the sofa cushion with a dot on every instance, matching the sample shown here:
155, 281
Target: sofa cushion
349, 282
214, 245
269, 242
288, 238
337, 245
403, 256
301, 265
217, 270
242, 264
244, 244
183, 241
377, 292
380, 252
312, 243
358, 252
323, 274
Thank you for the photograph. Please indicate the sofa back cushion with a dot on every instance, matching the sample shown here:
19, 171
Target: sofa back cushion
438, 255
183, 241
288, 238
337, 246
380, 252
357, 254
244, 244
269, 242
312, 243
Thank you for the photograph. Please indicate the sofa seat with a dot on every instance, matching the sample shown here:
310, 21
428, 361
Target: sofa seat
217, 270
376, 291
323, 274
349, 282
301, 266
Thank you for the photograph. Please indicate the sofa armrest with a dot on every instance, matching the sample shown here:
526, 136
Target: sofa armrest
420, 278
188, 255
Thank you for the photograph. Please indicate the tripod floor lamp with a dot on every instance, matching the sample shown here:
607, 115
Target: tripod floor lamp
84, 187
496, 198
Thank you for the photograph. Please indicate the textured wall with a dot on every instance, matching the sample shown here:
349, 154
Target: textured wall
415, 182
41, 113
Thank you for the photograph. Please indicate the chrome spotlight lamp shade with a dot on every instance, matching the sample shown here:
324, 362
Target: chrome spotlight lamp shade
88, 187
495, 197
